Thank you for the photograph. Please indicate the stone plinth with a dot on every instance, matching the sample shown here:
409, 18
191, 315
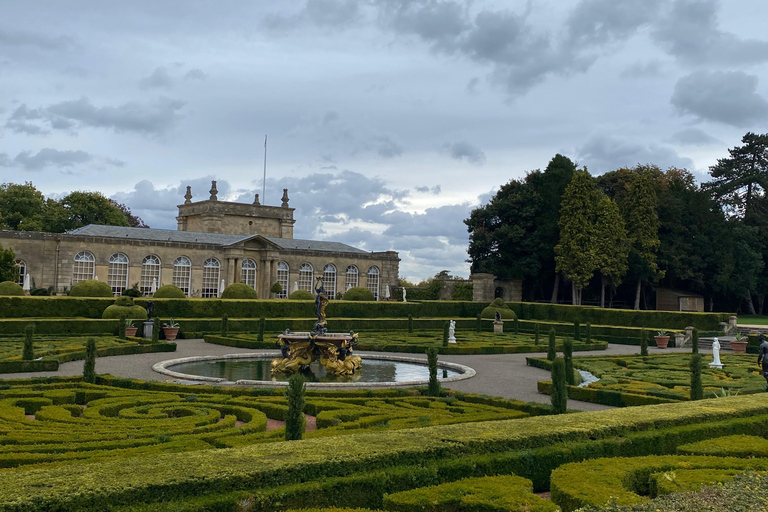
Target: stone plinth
498, 326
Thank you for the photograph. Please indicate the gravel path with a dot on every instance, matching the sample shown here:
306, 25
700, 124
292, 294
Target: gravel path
504, 375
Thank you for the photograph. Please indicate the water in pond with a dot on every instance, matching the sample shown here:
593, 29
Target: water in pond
373, 370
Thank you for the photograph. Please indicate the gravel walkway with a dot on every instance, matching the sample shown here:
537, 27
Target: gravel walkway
504, 375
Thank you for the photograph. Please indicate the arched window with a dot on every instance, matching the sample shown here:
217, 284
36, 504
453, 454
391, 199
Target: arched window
373, 281
84, 267
306, 274
150, 274
283, 271
248, 272
182, 272
117, 272
329, 280
211, 274
353, 277
21, 266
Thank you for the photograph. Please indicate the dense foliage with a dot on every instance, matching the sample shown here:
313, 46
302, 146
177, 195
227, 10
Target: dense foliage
91, 288
631, 231
239, 291
169, 291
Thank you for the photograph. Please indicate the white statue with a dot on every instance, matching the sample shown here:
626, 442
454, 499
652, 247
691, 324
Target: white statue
153, 288
404, 294
295, 286
386, 292
27, 284
716, 355
452, 332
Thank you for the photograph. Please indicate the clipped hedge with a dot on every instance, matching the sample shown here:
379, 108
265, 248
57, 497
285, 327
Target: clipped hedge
604, 396
43, 365
169, 291
91, 288
742, 446
9, 288
301, 295
129, 312
358, 293
239, 291
485, 494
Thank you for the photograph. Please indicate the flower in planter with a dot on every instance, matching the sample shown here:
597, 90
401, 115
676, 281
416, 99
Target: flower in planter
171, 324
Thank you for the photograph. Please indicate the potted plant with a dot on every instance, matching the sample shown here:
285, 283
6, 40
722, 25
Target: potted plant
130, 330
662, 339
170, 329
739, 345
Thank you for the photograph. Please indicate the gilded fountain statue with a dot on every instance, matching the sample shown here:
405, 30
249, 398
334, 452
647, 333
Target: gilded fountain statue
333, 350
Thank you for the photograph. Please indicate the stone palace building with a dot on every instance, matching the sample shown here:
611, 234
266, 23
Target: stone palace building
216, 243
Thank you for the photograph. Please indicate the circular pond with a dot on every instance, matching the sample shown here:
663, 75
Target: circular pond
256, 370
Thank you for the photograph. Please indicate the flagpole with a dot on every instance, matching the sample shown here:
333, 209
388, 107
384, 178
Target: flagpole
264, 183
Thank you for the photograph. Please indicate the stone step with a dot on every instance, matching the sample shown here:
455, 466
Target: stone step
725, 345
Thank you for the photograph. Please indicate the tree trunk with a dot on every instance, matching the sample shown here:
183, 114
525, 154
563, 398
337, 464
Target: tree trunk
602, 292
573, 294
750, 305
555, 289
760, 304
637, 295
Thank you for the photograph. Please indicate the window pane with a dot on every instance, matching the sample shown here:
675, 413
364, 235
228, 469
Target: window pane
306, 274
329, 281
117, 272
248, 273
282, 277
21, 265
211, 273
352, 277
84, 267
373, 281
182, 272
150, 274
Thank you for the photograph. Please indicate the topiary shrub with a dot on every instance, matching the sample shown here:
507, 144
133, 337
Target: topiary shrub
503, 309
130, 312
276, 289
133, 291
433, 388
643, 342
551, 353
91, 288
359, 293
28, 353
169, 291
9, 288
570, 378
301, 295
239, 291
89, 365
697, 390
294, 416
559, 386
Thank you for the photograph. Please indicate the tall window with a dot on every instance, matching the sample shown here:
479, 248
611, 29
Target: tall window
306, 273
283, 271
117, 272
211, 273
150, 274
329, 280
182, 272
373, 281
84, 267
248, 273
353, 276
21, 266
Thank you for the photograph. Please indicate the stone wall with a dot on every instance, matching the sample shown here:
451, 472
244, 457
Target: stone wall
486, 287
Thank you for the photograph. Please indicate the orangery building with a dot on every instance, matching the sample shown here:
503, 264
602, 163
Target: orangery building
215, 244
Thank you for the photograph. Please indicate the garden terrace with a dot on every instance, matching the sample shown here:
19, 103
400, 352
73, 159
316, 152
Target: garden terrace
658, 378
365, 465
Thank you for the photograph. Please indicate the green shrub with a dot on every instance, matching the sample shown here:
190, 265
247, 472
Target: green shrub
446, 327
276, 288
643, 342
169, 291
28, 353
262, 327
155, 330
124, 301
91, 288
10, 288
294, 418
485, 494
239, 291
303, 295
559, 386
499, 306
478, 324
536, 335
410, 323
551, 351
568, 358
359, 293
434, 388
462, 291
695, 341
577, 331
121, 328
697, 390
133, 291
224, 325
89, 365
516, 326
588, 333
129, 312
741, 446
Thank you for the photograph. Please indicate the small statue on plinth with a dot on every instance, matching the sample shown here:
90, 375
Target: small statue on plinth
716, 355
498, 324
452, 332
321, 300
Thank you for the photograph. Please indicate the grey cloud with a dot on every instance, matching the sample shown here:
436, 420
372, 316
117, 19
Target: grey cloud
724, 97
53, 158
439, 23
596, 22
604, 153
320, 13
691, 34
465, 151
388, 148
18, 122
5, 160
34, 39
195, 74
642, 70
151, 118
158, 79
694, 137
426, 190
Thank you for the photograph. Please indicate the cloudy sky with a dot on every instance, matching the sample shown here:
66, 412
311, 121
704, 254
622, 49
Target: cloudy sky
388, 120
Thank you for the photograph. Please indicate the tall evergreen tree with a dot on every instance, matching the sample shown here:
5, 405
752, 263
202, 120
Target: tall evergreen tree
643, 231
742, 178
575, 254
611, 245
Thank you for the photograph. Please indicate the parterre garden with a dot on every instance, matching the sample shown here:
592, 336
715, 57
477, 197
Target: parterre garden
135, 446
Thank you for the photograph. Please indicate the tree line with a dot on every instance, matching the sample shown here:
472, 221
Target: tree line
616, 237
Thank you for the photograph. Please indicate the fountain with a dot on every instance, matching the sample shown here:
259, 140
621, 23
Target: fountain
332, 350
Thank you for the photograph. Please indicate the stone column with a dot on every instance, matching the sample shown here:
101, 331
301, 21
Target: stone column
266, 278
732, 324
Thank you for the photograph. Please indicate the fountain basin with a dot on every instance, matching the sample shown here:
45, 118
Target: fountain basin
177, 368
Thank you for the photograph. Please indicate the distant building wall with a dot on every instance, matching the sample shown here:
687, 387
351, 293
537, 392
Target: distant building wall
678, 300
486, 287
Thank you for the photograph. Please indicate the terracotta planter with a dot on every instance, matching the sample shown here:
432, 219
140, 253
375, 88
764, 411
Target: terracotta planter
739, 347
131, 331
170, 333
661, 341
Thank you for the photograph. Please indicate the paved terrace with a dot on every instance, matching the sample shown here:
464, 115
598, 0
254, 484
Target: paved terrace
504, 375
